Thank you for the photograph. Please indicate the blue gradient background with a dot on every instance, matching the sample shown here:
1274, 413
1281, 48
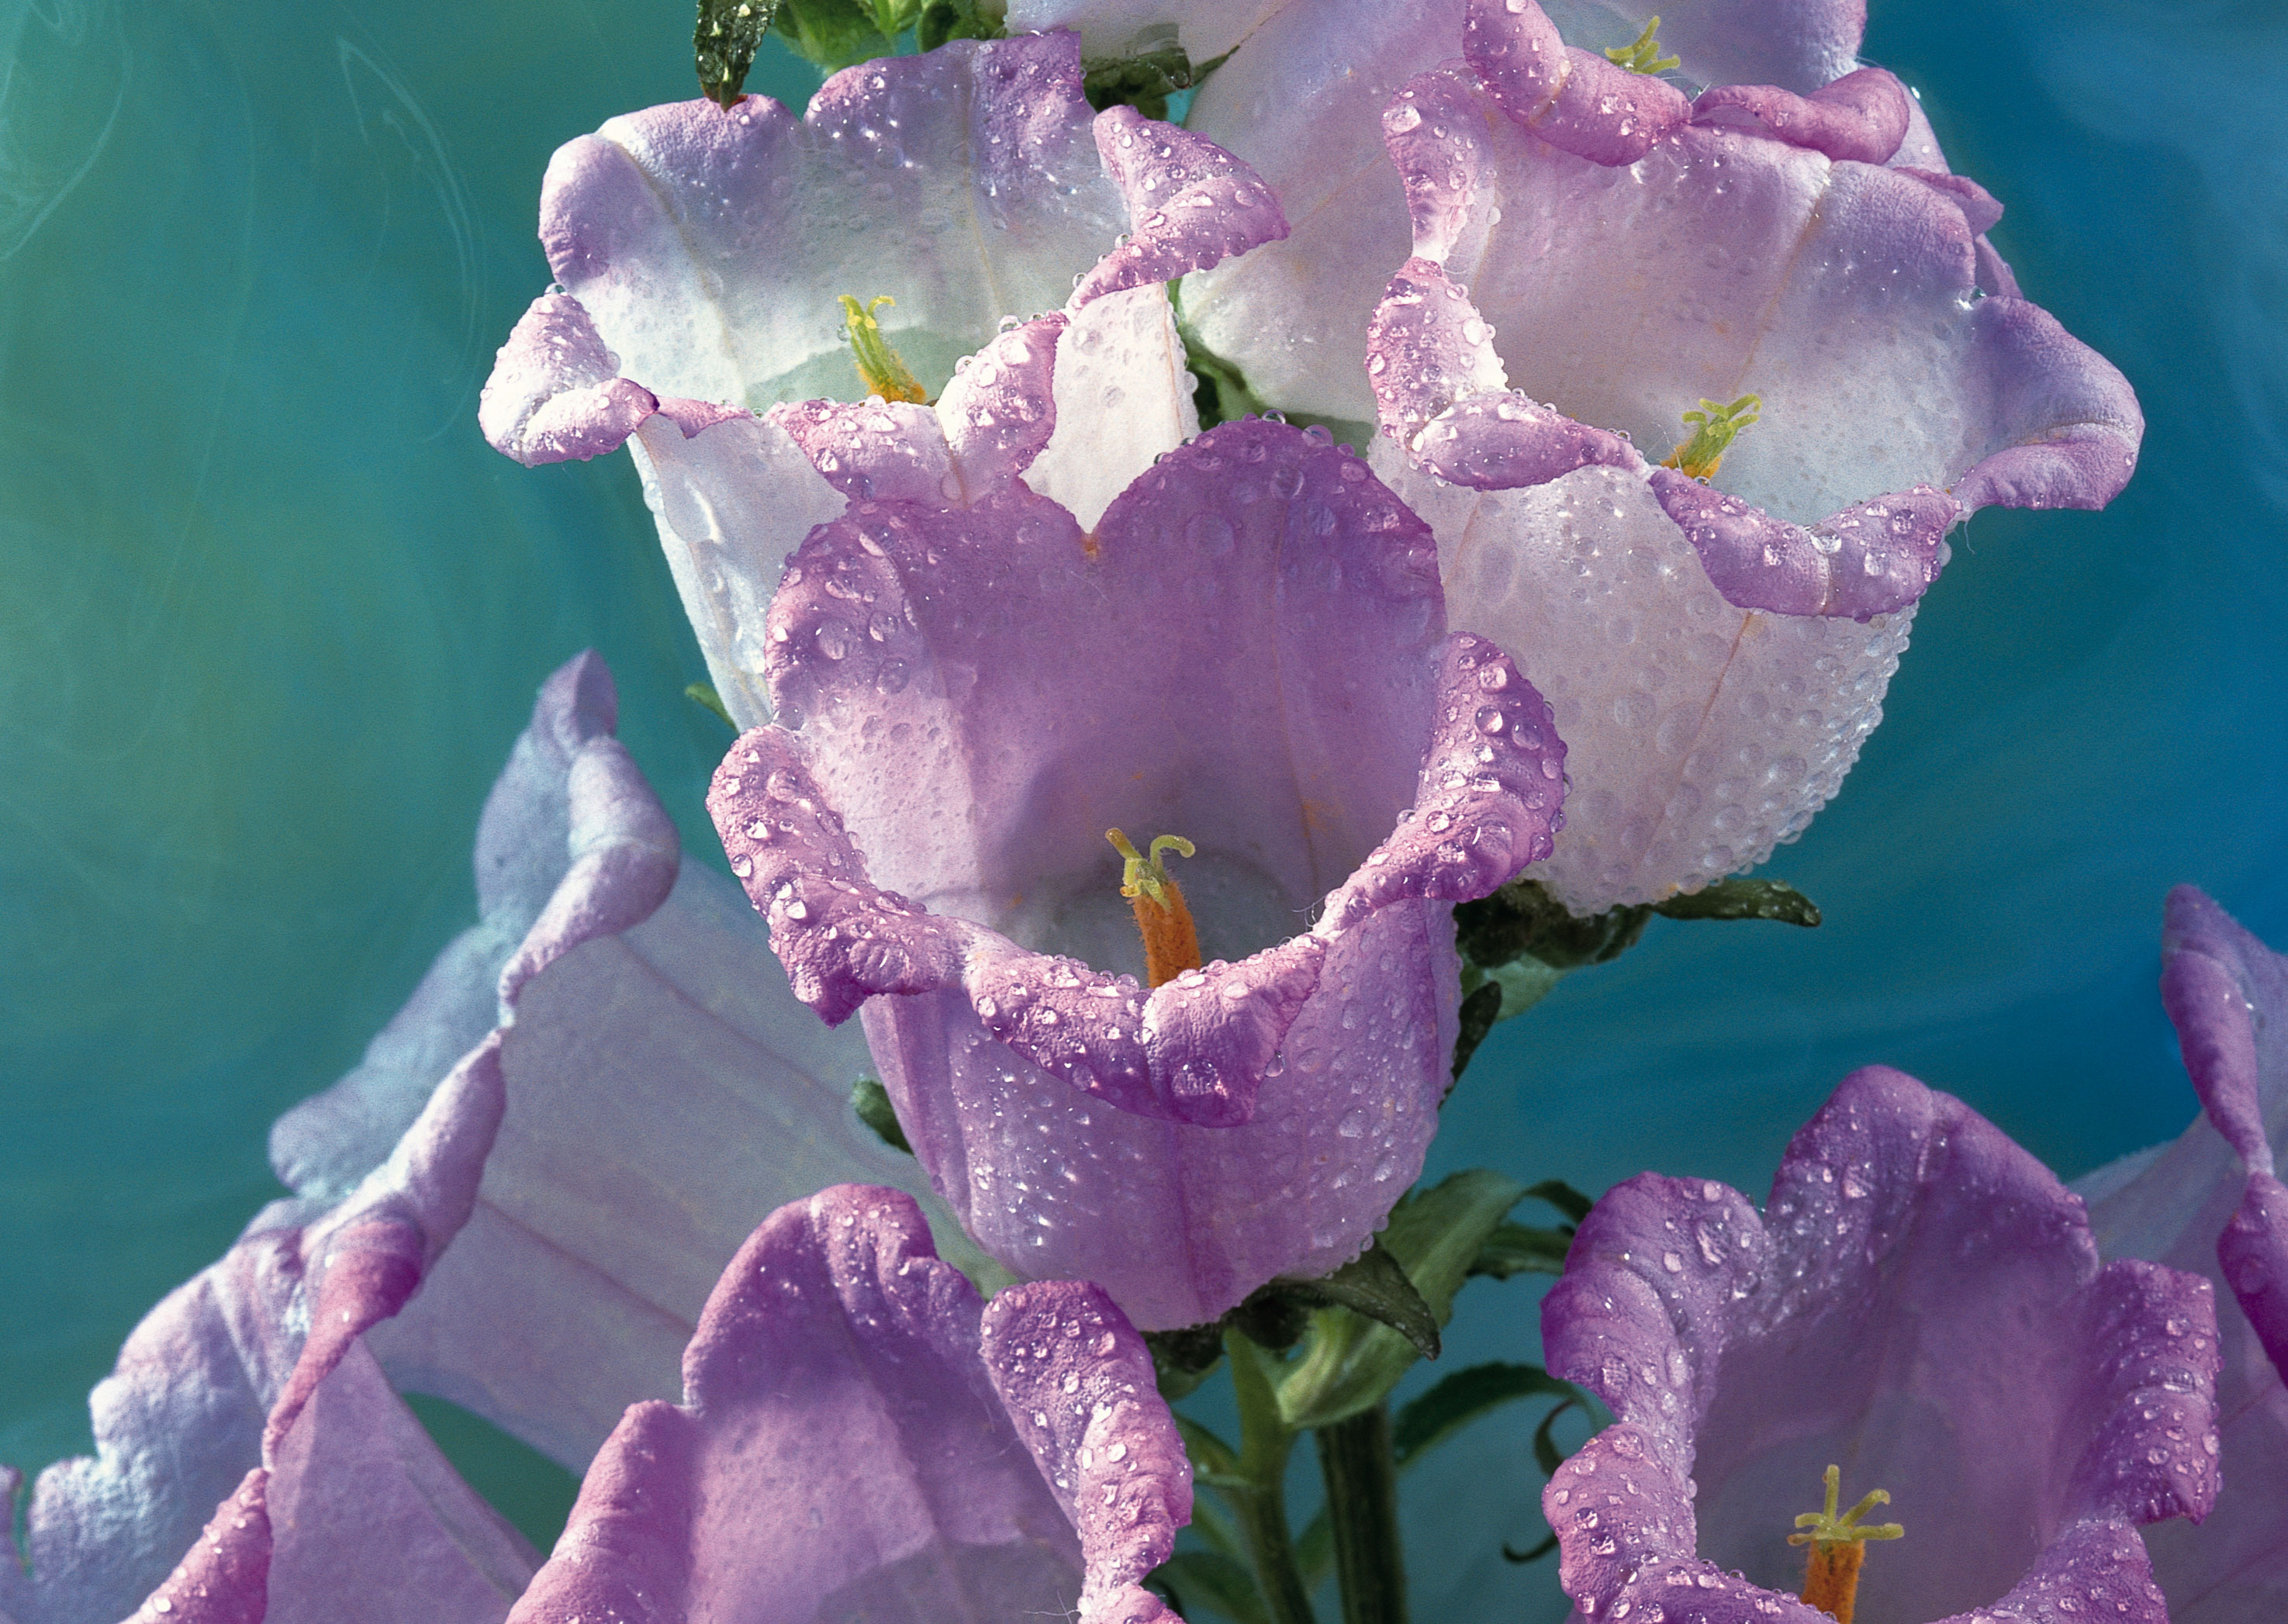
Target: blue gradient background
271, 613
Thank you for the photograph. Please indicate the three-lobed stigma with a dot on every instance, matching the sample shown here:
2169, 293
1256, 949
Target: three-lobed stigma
1643, 56
1838, 1544
1715, 427
1172, 943
879, 366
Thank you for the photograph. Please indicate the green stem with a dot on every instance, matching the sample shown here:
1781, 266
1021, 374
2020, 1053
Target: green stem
1362, 1476
1261, 1505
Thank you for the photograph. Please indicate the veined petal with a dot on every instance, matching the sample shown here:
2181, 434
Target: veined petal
1920, 1298
1244, 648
2209, 1203
1191, 205
258, 1365
1863, 116
1574, 99
710, 245
846, 1444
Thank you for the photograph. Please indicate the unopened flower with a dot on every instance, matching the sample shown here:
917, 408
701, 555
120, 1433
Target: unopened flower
1921, 1305
861, 1437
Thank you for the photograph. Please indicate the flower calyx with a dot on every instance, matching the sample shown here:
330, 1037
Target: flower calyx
1838, 1544
1642, 55
879, 366
1715, 427
1171, 942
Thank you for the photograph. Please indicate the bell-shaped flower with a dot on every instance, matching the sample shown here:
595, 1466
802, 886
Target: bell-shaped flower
861, 1436
2212, 1203
1921, 1305
711, 264
1716, 632
519, 1202
1246, 651
1302, 85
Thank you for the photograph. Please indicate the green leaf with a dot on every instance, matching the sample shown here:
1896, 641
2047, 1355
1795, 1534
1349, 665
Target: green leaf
1145, 81
1375, 1284
871, 1101
704, 695
948, 19
833, 34
1480, 1008
1521, 919
1467, 1396
1214, 1461
1519, 1248
1563, 1197
723, 45
1348, 1362
1742, 898
1535, 1555
1183, 1358
1224, 1582
1546, 1454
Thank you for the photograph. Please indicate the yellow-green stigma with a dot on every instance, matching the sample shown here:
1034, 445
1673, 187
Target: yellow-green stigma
1838, 1544
1644, 56
1715, 427
1172, 944
879, 368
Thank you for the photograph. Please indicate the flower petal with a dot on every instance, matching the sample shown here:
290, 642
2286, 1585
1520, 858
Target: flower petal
1574, 99
555, 393
1078, 1385
1874, 557
1861, 116
1920, 1299
842, 1446
1191, 205
710, 245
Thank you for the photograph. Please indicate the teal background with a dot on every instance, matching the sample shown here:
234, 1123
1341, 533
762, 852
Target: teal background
271, 613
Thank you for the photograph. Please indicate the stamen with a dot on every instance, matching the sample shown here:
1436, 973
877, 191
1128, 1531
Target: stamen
1643, 57
1838, 1544
1715, 427
1171, 945
878, 366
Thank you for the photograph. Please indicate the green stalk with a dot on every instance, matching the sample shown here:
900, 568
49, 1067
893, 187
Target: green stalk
1261, 1505
1361, 1477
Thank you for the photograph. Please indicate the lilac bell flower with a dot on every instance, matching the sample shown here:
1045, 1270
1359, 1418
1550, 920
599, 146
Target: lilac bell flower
519, 1202
1921, 1304
861, 1437
700, 255
2211, 1203
1299, 91
1247, 649
1717, 652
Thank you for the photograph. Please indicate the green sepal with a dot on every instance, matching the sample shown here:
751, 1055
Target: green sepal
1482, 1007
1183, 1358
871, 1101
1467, 1396
1522, 919
1214, 1462
950, 19
1520, 1248
723, 45
1144, 82
704, 695
1348, 1362
1742, 898
1224, 1582
1563, 1197
1374, 1284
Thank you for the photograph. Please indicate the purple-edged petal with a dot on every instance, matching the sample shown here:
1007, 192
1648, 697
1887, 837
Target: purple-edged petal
2208, 1202
710, 245
998, 414
259, 1364
1698, 734
555, 393
225, 1577
1576, 100
844, 1447
1863, 116
1191, 205
1874, 557
889, 450
1078, 1385
1920, 1301
1258, 669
